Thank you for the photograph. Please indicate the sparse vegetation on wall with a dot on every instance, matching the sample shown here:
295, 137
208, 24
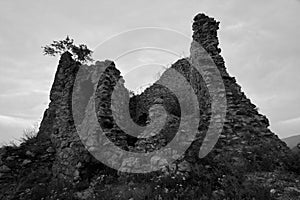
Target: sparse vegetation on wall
80, 52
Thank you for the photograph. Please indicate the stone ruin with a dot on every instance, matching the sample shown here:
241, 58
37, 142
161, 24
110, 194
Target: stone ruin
244, 130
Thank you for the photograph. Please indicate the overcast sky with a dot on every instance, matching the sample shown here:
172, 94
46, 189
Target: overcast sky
259, 40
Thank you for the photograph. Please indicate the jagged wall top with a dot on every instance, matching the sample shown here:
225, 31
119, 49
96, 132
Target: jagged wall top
205, 32
244, 128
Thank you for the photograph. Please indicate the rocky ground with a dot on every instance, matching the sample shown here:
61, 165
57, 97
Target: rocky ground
26, 173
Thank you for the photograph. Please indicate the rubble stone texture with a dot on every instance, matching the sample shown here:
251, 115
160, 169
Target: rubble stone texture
244, 127
245, 134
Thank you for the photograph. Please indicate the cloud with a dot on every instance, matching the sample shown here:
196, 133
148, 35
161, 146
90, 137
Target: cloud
12, 128
14, 121
291, 121
288, 127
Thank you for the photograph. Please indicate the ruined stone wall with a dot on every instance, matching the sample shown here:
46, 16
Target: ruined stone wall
104, 100
245, 130
244, 127
58, 124
72, 158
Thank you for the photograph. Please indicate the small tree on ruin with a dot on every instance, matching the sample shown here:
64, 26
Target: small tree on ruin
80, 53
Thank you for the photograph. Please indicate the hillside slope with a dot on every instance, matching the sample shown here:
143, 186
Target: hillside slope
292, 141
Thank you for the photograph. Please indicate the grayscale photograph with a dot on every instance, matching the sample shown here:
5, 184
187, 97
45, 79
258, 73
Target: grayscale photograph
150, 100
